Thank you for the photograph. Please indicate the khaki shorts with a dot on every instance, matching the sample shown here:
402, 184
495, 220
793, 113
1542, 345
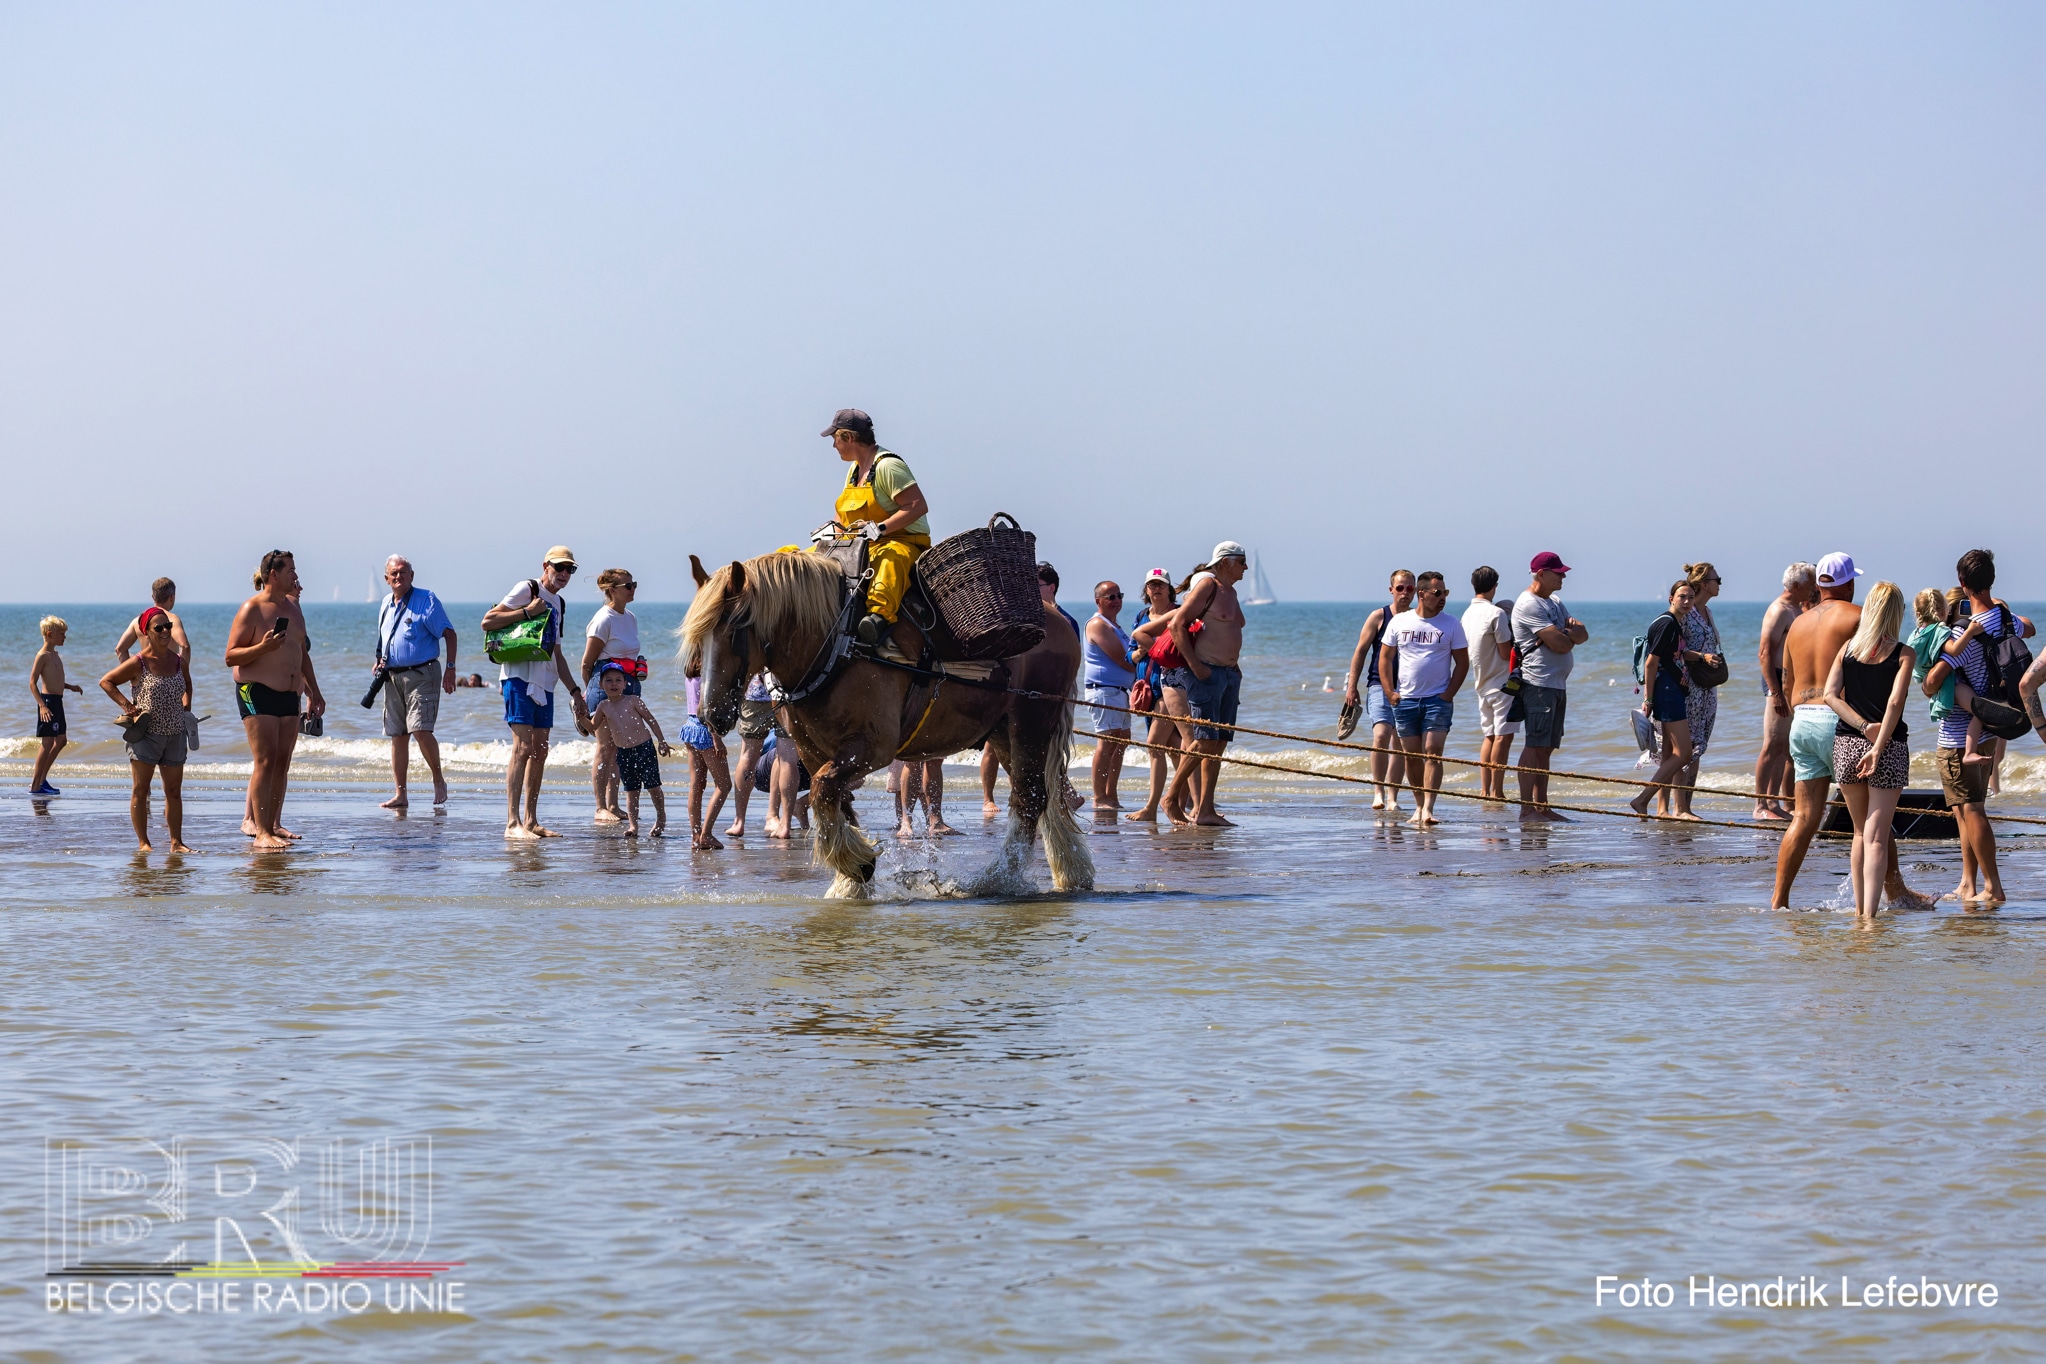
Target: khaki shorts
756, 718
411, 700
1492, 708
1965, 783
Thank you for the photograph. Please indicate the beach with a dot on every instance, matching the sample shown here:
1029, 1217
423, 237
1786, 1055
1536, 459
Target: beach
1315, 1084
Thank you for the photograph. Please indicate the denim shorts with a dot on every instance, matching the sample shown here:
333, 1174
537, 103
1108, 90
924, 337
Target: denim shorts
1377, 710
1667, 702
1213, 699
1418, 715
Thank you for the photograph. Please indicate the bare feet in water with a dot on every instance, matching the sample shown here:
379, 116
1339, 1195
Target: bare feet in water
708, 843
989, 810
440, 791
606, 816
397, 802
940, 828
178, 846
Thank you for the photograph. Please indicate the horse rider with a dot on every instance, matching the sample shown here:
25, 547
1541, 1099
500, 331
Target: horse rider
881, 503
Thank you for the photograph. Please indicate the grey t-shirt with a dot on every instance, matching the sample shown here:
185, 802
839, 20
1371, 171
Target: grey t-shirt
1540, 666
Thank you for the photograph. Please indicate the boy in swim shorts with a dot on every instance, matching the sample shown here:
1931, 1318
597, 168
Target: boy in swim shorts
627, 725
46, 682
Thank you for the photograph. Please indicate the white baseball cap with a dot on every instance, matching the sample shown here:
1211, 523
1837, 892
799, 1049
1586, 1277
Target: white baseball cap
1228, 549
1837, 569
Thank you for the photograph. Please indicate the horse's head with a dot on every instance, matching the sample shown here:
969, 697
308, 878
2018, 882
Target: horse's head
714, 639
772, 613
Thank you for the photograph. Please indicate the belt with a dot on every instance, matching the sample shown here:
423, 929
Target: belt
411, 667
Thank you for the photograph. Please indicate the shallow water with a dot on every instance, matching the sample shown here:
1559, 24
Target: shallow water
1310, 1084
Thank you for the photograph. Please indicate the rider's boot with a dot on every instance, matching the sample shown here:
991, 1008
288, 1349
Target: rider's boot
873, 629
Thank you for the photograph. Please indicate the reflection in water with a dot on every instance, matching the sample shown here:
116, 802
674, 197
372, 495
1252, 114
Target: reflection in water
174, 877
279, 873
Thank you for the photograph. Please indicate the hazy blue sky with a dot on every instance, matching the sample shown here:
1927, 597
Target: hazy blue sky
1360, 286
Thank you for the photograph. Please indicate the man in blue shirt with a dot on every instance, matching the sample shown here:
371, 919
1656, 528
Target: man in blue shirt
411, 626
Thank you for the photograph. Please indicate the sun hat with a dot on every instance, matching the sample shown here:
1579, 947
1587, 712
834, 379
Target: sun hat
1228, 549
849, 419
1548, 561
1156, 575
560, 554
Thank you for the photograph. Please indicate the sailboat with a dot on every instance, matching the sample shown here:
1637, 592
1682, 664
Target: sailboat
1260, 587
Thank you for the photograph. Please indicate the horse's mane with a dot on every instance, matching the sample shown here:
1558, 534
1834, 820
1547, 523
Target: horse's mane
791, 599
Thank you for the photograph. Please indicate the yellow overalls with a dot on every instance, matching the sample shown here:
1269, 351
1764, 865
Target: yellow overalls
891, 556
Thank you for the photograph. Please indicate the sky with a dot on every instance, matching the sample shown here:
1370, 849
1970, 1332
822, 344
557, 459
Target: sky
1361, 286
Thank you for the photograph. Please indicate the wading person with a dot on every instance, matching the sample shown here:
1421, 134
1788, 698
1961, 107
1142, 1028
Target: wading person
630, 730
1666, 702
1965, 778
156, 718
1427, 655
47, 685
1107, 679
412, 628
1701, 702
528, 689
273, 662
613, 637
1546, 634
880, 500
1211, 677
1490, 633
707, 763
756, 721
1772, 765
1388, 760
163, 594
1870, 678
1167, 704
1813, 641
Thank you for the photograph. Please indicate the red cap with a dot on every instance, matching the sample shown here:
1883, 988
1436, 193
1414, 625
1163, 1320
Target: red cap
1548, 561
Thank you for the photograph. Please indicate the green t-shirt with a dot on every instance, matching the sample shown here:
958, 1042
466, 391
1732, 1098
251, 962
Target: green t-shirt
891, 476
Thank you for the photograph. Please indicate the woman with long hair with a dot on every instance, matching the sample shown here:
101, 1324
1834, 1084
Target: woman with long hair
1871, 743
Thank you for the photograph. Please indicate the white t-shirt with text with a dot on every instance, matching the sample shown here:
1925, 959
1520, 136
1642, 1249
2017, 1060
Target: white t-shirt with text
1424, 645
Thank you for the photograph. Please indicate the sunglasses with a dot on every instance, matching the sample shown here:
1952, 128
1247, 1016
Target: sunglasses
569, 569
163, 629
1111, 596
630, 587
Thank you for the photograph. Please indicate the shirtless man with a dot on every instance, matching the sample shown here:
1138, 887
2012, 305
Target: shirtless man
272, 663
1772, 765
1809, 648
1211, 678
164, 593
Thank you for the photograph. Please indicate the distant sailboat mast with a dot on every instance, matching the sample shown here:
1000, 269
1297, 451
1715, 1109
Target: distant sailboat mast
1260, 587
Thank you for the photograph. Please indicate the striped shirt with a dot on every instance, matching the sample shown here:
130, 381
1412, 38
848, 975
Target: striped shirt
1973, 666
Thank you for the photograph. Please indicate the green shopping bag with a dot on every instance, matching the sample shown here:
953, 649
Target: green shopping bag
526, 641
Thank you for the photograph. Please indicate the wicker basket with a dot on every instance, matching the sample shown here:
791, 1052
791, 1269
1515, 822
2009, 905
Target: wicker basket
984, 583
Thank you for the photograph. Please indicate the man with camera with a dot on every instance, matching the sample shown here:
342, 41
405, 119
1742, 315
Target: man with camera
411, 627
273, 663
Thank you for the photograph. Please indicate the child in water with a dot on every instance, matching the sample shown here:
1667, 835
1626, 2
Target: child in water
706, 759
625, 723
46, 682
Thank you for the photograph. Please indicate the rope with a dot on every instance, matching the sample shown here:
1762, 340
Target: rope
1472, 762
1459, 795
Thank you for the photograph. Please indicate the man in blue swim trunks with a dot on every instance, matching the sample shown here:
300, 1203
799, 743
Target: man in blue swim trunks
1211, 678
529, 690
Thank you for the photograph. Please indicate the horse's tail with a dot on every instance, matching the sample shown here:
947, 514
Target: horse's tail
1065, 846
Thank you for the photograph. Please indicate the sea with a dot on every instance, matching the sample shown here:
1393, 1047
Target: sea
1317, 1085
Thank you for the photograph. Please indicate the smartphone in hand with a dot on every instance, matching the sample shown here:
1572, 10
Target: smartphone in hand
282, 626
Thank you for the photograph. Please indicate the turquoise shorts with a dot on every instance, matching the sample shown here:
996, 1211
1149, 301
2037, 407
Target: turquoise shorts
1811, 742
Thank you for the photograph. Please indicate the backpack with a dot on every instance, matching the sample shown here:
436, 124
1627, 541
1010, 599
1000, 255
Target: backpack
1640, 661
2008, 658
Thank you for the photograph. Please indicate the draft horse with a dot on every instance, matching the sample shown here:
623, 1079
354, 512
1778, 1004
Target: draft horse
780, 612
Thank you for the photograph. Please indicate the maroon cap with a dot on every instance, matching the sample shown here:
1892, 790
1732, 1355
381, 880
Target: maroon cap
1548, 561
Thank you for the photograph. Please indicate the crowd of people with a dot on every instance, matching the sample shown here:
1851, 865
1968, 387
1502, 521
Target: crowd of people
1834, 676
